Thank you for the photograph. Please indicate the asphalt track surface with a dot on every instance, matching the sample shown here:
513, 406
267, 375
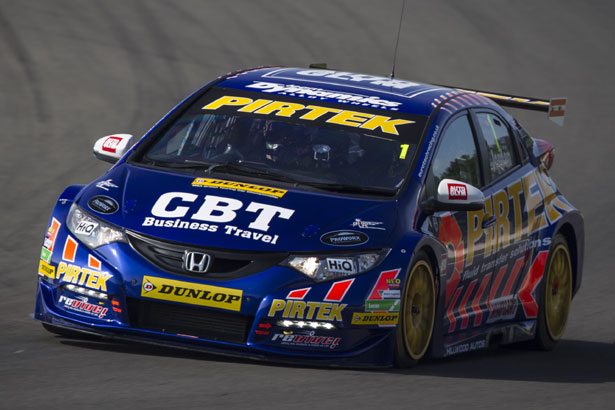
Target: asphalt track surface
71, 72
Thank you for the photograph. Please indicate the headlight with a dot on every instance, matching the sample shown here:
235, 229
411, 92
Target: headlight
90, 230
327, 267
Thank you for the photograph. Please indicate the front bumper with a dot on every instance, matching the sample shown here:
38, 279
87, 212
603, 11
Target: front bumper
374, 352
272, 320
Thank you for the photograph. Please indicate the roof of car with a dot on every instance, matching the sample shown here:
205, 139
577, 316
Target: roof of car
360, 90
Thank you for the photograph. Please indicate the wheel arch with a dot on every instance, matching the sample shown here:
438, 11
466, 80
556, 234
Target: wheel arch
572, 229
438, 257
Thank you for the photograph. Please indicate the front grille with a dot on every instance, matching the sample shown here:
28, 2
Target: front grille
188, 320
224, 265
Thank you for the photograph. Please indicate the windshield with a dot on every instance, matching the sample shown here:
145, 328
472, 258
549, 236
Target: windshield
295, 140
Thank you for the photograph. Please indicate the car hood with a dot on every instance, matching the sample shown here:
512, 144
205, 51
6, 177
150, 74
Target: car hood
225, 211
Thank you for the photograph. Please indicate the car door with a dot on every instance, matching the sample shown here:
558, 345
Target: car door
458, 156
510, 199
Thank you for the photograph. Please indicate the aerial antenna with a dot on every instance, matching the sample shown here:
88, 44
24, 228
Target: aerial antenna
401, 18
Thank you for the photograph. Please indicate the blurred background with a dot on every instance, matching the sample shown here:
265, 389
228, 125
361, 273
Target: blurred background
74, 71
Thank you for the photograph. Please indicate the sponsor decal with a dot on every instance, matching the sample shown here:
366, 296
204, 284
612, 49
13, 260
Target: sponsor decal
465, 347
103, 204
50, 240
306, 339
344, 238
429, 150
504, 308
45, 255
390, 293
45, 269
298, 309
384, 319
387, 286
239, 186
111, 143
295, 308
457, 192
52, 234
170, 208
80, 304
341, 265
78, 275
255, 236
86, 227
106, 184
284, 109
322, 94
359, 223
191, 293
385, 82
384, 305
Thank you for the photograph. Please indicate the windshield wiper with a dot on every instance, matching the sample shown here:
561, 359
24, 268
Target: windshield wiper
353, 189
187, 164
236, 168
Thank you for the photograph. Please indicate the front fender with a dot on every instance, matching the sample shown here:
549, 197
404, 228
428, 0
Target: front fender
438, 254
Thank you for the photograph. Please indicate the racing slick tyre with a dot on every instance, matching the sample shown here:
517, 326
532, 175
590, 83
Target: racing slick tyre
556, 296
417, 314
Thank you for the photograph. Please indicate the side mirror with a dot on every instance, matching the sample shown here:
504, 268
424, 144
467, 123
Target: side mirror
455, 195
112, 147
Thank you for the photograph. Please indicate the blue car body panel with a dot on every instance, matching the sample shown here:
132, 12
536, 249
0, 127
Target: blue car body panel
476, 298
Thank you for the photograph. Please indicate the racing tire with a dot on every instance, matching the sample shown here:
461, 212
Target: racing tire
417, 314
556, 296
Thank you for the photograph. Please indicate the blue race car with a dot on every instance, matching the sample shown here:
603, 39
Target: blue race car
322, 217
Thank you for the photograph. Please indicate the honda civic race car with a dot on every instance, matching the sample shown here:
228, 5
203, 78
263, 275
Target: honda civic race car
322, 217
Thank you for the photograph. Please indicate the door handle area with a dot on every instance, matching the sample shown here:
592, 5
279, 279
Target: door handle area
488, 220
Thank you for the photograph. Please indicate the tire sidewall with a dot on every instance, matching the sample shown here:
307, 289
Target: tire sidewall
543, 339
402, 358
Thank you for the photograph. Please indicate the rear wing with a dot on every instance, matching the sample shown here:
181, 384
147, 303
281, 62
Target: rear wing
555, 107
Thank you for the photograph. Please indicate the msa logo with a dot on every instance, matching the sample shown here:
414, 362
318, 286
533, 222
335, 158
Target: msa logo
196, 262
111, 143
457, 191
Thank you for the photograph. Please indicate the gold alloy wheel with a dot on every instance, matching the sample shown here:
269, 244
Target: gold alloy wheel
558, 292
419, 310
